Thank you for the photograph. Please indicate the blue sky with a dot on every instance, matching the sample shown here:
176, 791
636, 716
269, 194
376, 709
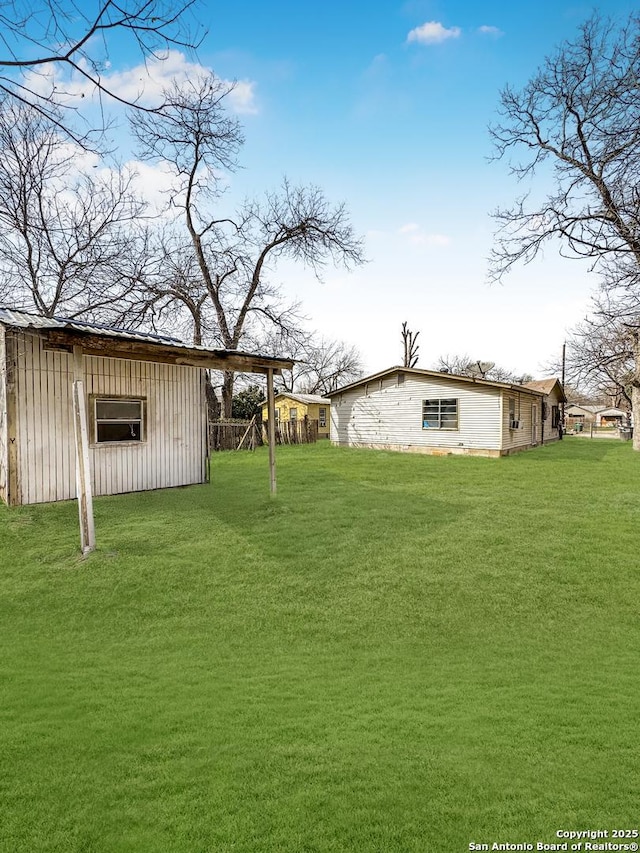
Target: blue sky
395, 125
385, 106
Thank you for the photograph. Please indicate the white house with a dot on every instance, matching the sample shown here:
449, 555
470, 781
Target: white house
427, 411
142, 402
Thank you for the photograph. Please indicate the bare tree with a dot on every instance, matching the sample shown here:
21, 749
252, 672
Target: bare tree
68, 240
40, 39
321, 365
463, 365
456, 364
580, 114
410, 346
235, 254
600, 355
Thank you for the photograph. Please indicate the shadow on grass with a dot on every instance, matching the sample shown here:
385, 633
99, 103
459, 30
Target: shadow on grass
326, 507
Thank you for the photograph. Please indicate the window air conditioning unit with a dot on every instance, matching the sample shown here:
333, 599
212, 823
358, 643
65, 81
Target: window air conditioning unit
514, 424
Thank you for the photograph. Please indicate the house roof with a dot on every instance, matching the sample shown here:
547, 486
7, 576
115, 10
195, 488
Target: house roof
112, 342
307, 399
586, 408
438, 374
612, 410
546, 386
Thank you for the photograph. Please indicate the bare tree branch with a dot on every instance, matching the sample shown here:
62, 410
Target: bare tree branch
410, 346
235, 255
38, 41
579, 117
70, 243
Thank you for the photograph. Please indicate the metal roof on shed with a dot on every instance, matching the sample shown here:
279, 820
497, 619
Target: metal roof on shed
133, 340
24, 320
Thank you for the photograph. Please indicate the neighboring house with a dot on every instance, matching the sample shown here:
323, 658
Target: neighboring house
599, 416
581, 415
611, 417
426, 411
143, 397
293, 407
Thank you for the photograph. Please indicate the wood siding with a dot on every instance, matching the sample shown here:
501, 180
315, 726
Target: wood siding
386, 413
172, 454
520, 438
4, 457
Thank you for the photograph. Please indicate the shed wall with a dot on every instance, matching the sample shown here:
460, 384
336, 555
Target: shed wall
172, 454
4, 459
386, 413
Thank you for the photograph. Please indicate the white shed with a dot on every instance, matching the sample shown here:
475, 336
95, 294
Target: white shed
143, 404
427, 411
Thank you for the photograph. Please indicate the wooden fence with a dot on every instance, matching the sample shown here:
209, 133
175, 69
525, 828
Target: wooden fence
234, 435
304, 431
247, 435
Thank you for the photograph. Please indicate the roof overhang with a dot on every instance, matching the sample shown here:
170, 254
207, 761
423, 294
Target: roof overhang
97, 339
107, 346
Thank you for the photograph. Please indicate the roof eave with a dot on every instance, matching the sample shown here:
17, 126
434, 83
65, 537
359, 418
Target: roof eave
111, 346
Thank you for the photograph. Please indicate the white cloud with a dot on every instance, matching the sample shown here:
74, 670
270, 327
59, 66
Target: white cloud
487, 30
155, 183
433, 32
243, 97
417, 236
147, 81
143, 83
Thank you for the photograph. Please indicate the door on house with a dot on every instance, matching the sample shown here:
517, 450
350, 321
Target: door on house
534, 423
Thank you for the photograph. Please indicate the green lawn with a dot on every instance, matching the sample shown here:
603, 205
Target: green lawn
398, 653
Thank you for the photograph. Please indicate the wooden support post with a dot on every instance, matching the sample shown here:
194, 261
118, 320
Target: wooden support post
83, 473
271, 414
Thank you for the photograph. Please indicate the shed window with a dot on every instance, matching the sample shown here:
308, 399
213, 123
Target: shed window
293, 414
322, 416
118, 420
440, 414
555, 416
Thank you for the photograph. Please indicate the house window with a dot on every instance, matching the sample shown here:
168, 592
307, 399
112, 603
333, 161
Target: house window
440, 414
118, 419
322, 416
293, 415
555, 416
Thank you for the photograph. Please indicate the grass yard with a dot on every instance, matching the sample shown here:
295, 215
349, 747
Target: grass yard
398, 653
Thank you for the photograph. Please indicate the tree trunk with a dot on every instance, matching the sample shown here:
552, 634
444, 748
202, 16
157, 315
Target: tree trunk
213, 404
227, 394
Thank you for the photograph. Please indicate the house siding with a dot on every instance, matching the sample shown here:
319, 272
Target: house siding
522, 437
172, 454
385, 414
309, 410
